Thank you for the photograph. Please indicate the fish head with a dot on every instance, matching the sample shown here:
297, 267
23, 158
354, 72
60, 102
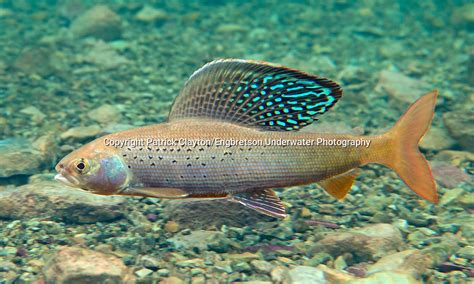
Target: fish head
95, 168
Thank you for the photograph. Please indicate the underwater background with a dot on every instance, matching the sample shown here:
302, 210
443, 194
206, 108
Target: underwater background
71, 71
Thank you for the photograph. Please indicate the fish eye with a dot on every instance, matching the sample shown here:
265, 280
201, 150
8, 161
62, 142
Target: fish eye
81, 166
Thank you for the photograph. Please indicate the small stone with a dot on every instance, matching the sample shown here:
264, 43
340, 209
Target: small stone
455, 158
367, 243
305, 212
35, 114
461, 126
401, 87
104, 56
37, 60
195, 262
467, 200
463, 15
230, 28
437, 139
69, 264
81, 132
163, 272
171, 280
196, 240
151, 15
448, 175
171, 227
409, 261
386, 277
451, 195
150, 262
261, 266
306, 275
6, 266
246, 256
21, 157
466, 252
99, 22
142, 273
53, 200
242, 267
5, 13
335, 276
340, 263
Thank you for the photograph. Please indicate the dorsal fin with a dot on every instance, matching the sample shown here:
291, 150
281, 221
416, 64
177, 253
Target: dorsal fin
264, 201
256, 94
338, 186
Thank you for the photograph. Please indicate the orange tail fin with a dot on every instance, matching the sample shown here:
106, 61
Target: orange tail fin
399, 149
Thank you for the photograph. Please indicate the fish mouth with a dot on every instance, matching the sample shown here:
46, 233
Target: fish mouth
62, 179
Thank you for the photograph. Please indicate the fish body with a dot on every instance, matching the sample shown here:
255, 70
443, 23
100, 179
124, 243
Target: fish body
233, 133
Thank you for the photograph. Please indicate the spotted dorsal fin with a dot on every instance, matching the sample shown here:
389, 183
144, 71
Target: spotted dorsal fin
264, 201
338, 186
256, 94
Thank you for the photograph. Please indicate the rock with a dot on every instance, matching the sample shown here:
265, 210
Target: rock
78, 265
6, 266
437, 139
230, 28
455, 158
367, 243
58, 202
104, 56
116, 127
451, 195
212, 213
150, 262
388, 277
99, 22
467, 200
461, 126
143, 273
409, 261
447, 175
171, 280
105, 114
470, 69
5, 13
466, 252
196, 240
463, 15
151, 15
38, 60
306, 275
20, 157
261, 266
81, 133
334, 276
401, 87
35, 114
171, 227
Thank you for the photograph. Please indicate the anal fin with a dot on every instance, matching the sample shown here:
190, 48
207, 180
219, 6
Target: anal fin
263, 201
155, 192
338, 186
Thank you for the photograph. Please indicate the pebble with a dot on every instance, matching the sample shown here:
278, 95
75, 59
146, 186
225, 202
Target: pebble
171, 280
99, 22
151, 15
437, 139
35, 114
59, 202
150, 262
451, 195
448, 175
261, 266
466, 252
81, 133
69, 264
105, 57
306, 275
142, 273
171, 227
401, 87
19, 156
460, 124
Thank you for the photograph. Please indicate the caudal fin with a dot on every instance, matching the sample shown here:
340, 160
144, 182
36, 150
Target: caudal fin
399, 149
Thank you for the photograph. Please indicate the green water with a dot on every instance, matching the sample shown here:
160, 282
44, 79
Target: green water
72, 71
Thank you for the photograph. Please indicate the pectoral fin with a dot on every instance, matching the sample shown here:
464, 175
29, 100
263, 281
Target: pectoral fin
263, 201
156, 192
338, 186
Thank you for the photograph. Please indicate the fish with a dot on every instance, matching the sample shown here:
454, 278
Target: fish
233, 133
